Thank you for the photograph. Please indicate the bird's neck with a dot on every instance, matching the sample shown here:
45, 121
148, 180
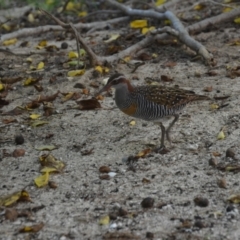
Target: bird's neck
122, 95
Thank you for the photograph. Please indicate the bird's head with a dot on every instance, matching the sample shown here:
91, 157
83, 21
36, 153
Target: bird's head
116, 81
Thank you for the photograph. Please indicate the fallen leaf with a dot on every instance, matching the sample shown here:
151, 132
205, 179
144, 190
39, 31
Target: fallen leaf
166, 78
14, 197
75, 73
42, 180
11, 214
145, 30
102, 69
34, 116
68, 96
132, 123
38, 123
40, 65
14, 112
160, 2
9, 120
34, 228
143, 153
234, 199
220, 135
170, 64
9, 42
48, 160
105, 220
88, 104
82, 14
72, 55
208, 89
138, 23
112, 38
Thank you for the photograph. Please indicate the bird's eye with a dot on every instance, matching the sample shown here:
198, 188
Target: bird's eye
114, 81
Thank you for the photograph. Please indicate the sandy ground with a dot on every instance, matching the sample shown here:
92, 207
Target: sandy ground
74, 208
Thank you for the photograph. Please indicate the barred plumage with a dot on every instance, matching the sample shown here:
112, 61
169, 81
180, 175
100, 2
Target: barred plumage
150, 103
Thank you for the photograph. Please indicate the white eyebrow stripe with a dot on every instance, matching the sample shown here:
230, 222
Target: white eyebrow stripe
119, 77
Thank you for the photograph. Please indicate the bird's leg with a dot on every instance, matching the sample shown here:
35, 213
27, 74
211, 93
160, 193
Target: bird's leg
163, 131
162, 149
176, 117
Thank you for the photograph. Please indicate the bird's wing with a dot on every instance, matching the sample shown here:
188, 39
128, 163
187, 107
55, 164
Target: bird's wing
170, 97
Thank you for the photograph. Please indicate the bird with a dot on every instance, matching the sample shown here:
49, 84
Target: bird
150, 102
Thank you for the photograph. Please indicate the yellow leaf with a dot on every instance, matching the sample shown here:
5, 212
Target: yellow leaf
29, 60
48, 160
127, 59
14, 197
71, 6
82, 52
29, 81
138, 23
132, 123
38, 123
72, 55
112, 38
6, 27
10, 42
146, 30
199, 7
234, 199
154, 55
167, 22
68, 96
35, 116
48, 170
104, 220
221, 135
227, 9
160, 2
82, 14
42, 43
2, 87
214, 106
102, 69
74, 73
40, 66
31, 18
42, 180
237, 20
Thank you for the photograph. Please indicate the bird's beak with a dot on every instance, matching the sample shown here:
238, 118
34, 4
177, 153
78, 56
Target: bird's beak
104, 89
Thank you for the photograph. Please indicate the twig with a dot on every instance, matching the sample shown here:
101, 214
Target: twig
199, 26
42, 29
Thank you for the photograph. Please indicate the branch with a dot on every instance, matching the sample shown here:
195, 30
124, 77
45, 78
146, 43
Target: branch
182, 35
199, 26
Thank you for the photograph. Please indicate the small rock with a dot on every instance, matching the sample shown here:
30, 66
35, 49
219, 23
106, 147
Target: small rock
199, 224
19, 139
18, 153
64, 45
104, 169
147, 202
122, 212
222, 183
230, 153
213, 162
149, 235
201, 202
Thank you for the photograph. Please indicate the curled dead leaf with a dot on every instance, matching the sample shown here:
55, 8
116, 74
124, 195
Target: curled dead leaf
88, 104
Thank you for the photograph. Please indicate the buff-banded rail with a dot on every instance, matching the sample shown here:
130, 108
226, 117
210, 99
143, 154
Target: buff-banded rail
150, 102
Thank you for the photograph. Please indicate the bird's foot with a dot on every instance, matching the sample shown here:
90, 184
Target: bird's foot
162, 150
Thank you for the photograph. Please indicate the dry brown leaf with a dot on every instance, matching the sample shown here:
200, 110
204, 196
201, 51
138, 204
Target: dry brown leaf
170, 64
34, 228
166, 78
14, 112
88, 104
208, 89
11, 214
9, 120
